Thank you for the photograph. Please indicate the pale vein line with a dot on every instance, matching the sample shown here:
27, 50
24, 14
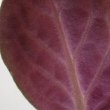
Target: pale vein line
77, 94
100, 69
84, 34
53, 81
48, 76
102, 103
47, 48
44, 72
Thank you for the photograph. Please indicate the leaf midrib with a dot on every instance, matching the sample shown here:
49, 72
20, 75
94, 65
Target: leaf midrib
77, 93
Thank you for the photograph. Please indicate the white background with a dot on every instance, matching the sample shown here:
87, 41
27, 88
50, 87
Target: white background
10, 97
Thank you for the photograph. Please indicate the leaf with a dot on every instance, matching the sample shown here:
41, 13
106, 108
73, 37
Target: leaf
58, 52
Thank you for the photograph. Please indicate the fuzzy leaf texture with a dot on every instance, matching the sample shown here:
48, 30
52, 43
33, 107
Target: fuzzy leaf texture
58, 51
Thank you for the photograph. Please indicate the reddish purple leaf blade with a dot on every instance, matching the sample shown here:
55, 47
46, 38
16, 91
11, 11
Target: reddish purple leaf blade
58, 52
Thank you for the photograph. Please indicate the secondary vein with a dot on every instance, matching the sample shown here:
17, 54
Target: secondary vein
101, 67
85, 33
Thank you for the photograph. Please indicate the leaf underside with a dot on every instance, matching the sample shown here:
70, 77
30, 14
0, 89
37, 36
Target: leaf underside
58, 51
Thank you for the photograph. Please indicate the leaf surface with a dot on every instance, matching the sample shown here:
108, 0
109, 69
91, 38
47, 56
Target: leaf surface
58, 51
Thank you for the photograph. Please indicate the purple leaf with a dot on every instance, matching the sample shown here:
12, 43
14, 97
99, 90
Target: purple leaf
58, 51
